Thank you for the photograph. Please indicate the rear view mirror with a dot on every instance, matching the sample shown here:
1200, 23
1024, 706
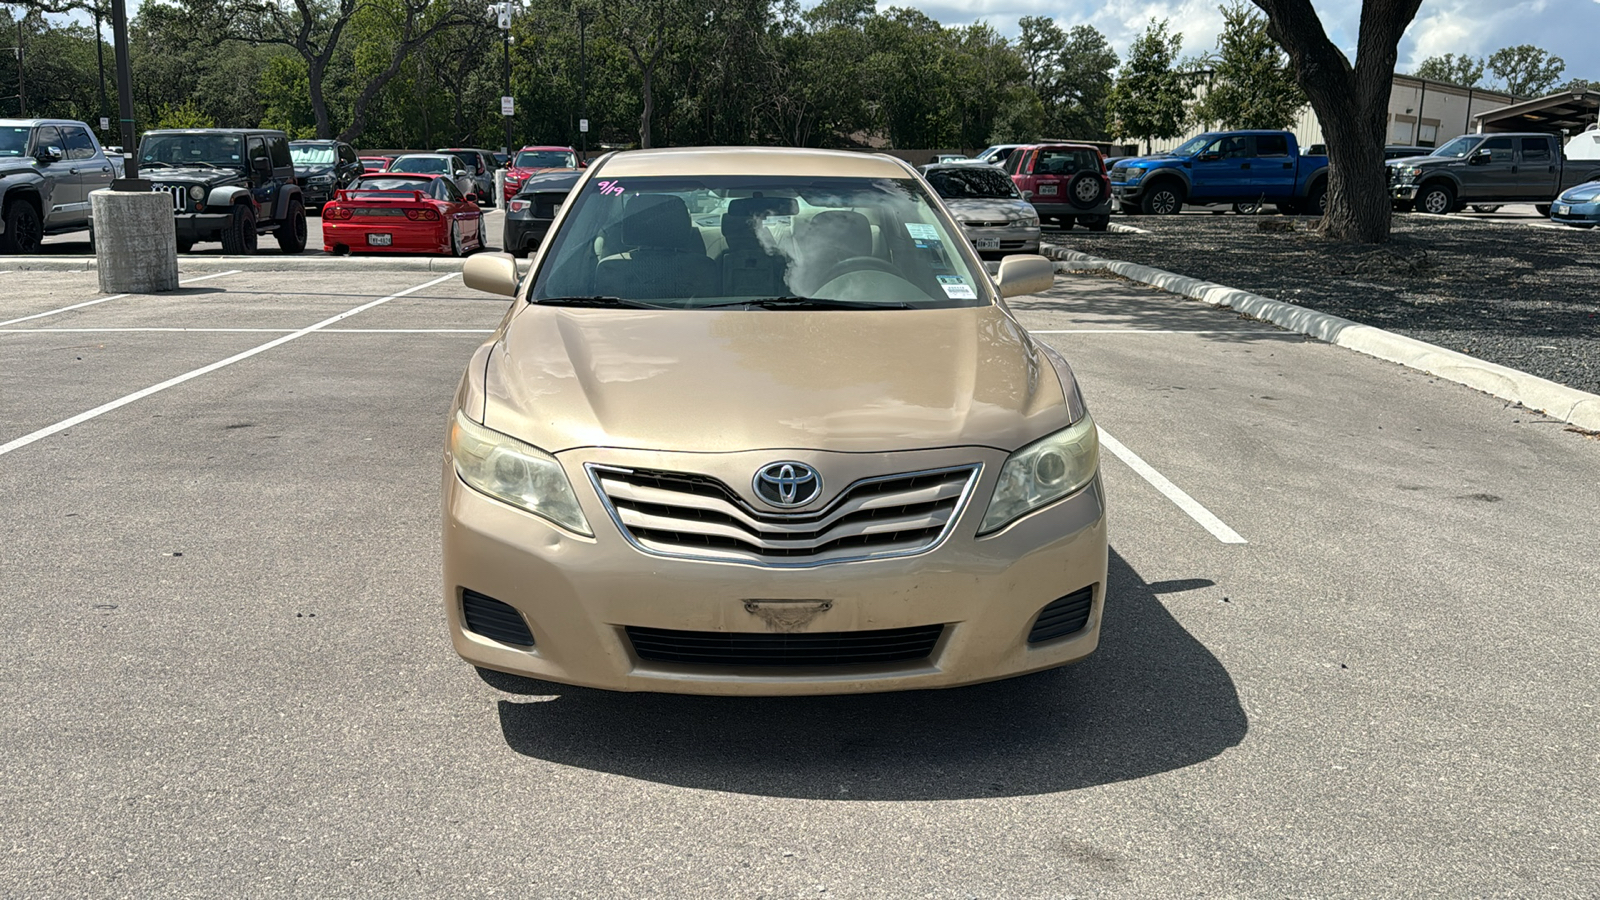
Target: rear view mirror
492, 273
1023, 274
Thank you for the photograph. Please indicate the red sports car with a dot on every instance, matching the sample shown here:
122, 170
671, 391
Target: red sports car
375, 163
402, 213
538, 159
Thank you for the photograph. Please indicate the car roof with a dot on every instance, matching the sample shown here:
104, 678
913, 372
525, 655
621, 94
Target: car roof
753, 161
315, 141
272, 131
443, 156
545, 147
416, 176
33, 123
563, 177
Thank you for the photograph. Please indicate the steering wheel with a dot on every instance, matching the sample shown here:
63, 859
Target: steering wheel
859, 264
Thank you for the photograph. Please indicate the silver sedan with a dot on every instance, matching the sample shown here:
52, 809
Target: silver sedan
987, 204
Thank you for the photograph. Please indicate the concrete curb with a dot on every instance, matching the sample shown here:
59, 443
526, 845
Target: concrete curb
1558, 401
252, 263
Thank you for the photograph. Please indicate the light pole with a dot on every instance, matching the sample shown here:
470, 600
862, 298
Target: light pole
584, 14
508, 107
130, 180
22, 89
100, 60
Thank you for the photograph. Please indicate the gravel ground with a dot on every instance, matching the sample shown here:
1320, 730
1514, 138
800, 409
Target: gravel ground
1506, 291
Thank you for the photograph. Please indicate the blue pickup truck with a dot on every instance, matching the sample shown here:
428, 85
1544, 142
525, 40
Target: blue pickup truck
1245, 168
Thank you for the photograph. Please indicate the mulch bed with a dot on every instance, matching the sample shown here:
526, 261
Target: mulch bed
1500, 290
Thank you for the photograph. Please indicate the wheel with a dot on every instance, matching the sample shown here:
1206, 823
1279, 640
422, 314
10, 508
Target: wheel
1253, 208
1436, 199
1095, 223
1316, 202
1542, 209
91, 236
292, 233
1486, 208
185, 246
1164, 199
239, 236
24, 232
1086, 190
455, 240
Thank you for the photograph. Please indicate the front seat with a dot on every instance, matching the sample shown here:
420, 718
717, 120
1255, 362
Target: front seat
830, 238
667, 257
749, 267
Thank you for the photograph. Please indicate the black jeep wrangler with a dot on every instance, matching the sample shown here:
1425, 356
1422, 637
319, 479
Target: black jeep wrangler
228, 185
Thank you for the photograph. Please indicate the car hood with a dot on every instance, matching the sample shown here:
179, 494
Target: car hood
1588, 192
190, 176
308, 171
1426, 161
745, 380
992, 210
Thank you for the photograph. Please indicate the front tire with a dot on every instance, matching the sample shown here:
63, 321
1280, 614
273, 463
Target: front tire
1486, 208
1316, 202
1095, 223
239, 237
291, 234
1436, 199
1162, 200
455, 241
1252, 208
1542, 209
24, 230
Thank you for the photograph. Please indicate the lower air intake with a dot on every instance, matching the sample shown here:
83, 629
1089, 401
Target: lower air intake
837, 648
494, 620
1063, 617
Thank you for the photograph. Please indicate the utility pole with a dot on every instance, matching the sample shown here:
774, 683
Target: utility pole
100, 59
22, 87
506, 109
584, 14
130, 180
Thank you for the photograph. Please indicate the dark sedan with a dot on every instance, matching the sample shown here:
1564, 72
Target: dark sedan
533, 208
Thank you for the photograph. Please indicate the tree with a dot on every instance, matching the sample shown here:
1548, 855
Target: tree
1149, 97
647, 29
1083, 99
1525, 70
1252, 83
1463, 70
1351, 102
1041, 43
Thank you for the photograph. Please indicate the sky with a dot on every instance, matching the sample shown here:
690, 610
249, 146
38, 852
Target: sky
1569, 29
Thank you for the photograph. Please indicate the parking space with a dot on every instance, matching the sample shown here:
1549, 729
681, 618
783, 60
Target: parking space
228, 673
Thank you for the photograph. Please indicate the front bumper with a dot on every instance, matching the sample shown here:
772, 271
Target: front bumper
1405, 193
201, 226
1580, 215
316, 195
579, 594
405, 239
1010, 239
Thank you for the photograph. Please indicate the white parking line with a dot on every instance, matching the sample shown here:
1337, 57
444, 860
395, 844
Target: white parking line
120, 402
1218, 528
106, 299
245, 330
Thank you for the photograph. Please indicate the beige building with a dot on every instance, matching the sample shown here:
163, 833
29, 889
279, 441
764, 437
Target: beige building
1422, 113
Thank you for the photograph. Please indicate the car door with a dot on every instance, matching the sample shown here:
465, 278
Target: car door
348, 166
1220, 169
263, 187
1538, 175
1494, 178
465, 216
1271, 170
89, 165
67, 200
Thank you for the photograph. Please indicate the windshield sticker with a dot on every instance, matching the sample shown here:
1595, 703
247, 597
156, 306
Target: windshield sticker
609, 187
956, 288
922, 232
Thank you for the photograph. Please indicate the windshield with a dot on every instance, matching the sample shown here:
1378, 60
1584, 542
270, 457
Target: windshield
312, 155
392, 183
546, 159
973, 183
222, 150
428, 165
690, 243
1458, 148
13, 140
1193, 145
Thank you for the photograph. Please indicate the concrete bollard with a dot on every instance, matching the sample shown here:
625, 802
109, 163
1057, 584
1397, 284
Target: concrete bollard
135, 243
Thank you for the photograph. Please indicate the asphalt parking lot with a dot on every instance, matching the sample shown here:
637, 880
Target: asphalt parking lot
1349, 648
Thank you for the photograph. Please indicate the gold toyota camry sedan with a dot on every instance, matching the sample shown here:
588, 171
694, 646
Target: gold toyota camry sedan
759, 422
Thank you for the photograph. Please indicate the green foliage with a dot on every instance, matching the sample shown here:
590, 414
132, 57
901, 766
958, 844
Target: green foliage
1526, 70
1082, 103
1252, 84
185, 115
1463, 70
1149, 99
284, 85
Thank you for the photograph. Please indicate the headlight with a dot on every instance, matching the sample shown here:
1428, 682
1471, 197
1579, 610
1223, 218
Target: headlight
515, 473
322, 179
1408, 172
1026, 222
1135, 174
196, 192
1042, 472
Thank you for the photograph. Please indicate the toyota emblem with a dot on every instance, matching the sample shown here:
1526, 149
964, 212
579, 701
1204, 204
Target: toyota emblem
787, 484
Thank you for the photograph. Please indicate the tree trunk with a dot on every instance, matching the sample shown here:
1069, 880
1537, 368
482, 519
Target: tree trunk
646, 92
319, 102
1351, 102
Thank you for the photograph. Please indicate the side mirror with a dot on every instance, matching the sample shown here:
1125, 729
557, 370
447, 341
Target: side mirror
1209, 157
1020, 275
471, 198
1480, 156
492, 273
583, 164
51, 154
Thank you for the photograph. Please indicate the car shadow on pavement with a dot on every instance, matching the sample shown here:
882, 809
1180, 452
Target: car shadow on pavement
1150, 700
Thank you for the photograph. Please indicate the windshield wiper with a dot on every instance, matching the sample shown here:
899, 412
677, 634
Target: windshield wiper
805, 303
152, 162
597, 301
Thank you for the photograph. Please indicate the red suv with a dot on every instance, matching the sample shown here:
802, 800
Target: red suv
1066, 183
530, 160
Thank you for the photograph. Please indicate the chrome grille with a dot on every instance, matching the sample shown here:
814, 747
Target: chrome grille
696, 517
179, 194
